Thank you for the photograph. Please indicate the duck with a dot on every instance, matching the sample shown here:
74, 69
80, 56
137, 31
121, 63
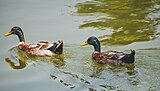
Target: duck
42, 48
110, 57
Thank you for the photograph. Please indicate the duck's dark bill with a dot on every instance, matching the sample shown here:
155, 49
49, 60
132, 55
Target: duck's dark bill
7, 34
84, 43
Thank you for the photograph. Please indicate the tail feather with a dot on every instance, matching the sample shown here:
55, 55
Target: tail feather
129, 58
57, 48
133, 52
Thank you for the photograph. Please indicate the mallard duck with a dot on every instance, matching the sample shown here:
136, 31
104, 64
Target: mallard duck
42, 48
113, 57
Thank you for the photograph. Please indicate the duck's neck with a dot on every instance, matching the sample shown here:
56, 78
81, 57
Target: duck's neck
21, 37
97, 47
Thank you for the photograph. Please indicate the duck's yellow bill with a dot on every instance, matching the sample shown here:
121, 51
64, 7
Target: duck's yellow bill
7, 34
84, 43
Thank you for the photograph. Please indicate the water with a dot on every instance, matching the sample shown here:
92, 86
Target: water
120, 25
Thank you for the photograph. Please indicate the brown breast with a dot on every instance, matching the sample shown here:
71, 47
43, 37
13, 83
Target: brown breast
23, 46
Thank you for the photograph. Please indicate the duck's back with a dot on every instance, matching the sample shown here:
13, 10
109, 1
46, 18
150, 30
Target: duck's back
43, 48
112, 57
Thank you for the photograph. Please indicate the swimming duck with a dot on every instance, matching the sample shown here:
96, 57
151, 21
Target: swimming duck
42, 48
113, 57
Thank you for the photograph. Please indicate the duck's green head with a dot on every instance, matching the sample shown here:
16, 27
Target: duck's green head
16, 31
93, 41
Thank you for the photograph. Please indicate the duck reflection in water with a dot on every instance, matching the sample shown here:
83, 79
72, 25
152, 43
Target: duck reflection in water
23, 58
97, 68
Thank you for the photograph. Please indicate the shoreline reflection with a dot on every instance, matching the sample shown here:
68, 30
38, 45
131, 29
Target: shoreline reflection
130, 20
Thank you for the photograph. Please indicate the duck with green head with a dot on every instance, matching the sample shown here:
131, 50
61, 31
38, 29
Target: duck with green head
42, 48
113, 57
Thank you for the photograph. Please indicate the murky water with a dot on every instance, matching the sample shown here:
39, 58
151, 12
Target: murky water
119, 24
